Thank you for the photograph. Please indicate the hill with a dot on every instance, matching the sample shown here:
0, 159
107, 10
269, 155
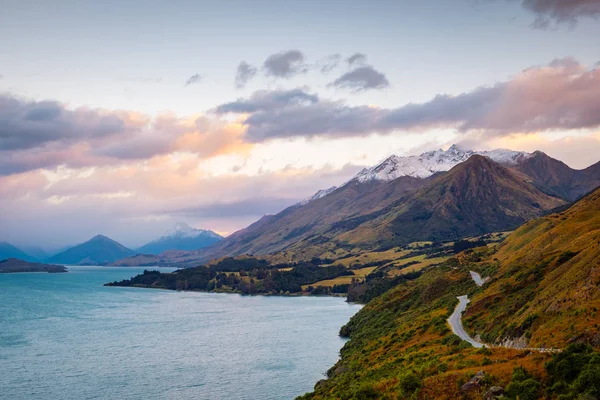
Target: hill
98, 250
543, 287
546, 275
182, 237
7, 250
12, 265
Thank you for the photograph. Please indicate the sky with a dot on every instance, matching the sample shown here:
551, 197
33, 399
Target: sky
124, 117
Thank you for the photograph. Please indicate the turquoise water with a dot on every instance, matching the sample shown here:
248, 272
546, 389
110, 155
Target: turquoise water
65, 336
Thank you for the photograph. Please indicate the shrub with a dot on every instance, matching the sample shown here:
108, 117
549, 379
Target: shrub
409, 382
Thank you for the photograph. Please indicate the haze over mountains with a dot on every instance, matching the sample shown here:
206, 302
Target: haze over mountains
440, 195
181, 237
101, 250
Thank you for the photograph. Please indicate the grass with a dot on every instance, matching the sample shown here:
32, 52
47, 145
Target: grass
358, 273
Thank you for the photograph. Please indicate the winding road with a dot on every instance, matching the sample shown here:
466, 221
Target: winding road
455, 321
477, 278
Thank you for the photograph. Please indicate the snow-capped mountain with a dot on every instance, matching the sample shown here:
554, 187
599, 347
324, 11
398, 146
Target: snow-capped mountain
318, 195
181, 229
423, 165
181, 237
431, 162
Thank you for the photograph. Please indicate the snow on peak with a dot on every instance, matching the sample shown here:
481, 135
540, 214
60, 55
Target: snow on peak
431, 162
318, 195
423, 166
181, 229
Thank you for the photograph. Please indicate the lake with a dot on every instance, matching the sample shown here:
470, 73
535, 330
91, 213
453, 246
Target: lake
65, 336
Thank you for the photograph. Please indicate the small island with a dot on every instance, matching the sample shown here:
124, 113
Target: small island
12, 265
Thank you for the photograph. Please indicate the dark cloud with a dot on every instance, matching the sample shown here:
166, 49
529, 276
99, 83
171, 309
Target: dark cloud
329, 63
561, 96
551, 12
25, 125
357, 58
244, 73
361, 79
285, 64
268, 100
193, 79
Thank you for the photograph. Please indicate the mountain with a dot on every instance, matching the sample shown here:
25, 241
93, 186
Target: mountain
431, 162
36, 252
557, 178
475, 197
7, 250
318, 195
307, 223
98, 250
424, 165
181, 237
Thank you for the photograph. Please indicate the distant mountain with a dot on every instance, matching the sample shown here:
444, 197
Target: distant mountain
37, 252
181, 237
424, 165
475, 197
98, 250
557, 178
7, 250
431, 162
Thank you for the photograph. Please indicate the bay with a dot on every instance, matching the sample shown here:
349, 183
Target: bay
65, 336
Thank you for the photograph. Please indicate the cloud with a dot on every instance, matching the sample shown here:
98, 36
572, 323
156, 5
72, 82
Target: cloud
361, 79
357, 59
268, 100
285, 64
193, 79
329, 63
46, 134
30, 124
563, 95
244, 73
561, 11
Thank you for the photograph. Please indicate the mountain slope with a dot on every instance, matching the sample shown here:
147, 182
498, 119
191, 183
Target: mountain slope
547, 276
305, 223
558, 179
98, 250
7, 250
543, 289
182, 237
473, 198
